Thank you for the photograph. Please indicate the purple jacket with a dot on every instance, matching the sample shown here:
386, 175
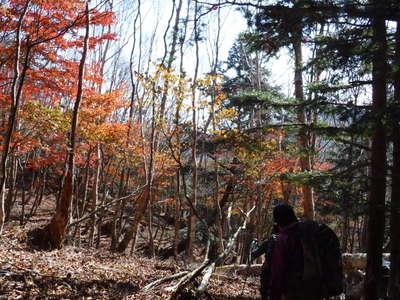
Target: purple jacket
278, 265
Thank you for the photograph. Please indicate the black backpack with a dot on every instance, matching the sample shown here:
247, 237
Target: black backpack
315, 259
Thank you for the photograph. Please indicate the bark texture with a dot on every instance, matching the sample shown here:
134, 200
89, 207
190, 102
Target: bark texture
305, 161
376, 208
394, 283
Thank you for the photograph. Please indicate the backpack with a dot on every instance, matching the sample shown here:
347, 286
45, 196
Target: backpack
315, 259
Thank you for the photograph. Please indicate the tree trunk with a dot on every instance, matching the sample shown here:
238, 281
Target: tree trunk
16, 90
140, 209
363, 232
177, 213
84, 200
179, 101
118, 214
40, 178
95, 197
346, 225
143, 200
150, 228
394, 283
192, 219
11, 195
305, 159
52, 236
219, 229
376, 209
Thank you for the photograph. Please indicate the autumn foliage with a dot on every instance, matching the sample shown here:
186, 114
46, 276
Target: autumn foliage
134, 146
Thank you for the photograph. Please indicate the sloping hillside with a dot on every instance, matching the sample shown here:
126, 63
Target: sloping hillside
77, 273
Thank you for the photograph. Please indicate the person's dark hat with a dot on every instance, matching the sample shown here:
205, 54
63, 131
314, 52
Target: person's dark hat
284, 215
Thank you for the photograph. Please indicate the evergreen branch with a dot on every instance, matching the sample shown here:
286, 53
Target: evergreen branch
317, 11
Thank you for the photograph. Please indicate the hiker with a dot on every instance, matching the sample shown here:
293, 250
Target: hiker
306, 262
266, 248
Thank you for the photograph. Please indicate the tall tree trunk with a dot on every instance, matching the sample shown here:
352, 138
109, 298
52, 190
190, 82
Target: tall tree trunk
116, 224
219, 220
23, 202
52, 236
12, 192
192, 220
363, 232
376, 209
94, 199
140, 209
170, 60
16, 89
143, 200
171, 57
150, 227
157, 120
179, 102
394, 283
305, 159
177, 213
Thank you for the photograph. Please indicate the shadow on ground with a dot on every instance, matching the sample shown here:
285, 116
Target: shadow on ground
28, 286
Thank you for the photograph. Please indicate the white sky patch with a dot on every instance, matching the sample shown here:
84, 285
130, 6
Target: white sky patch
155, 15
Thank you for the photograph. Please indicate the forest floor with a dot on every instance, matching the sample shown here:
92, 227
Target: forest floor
83, 273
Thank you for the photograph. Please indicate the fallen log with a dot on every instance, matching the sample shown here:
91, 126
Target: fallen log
164, 279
